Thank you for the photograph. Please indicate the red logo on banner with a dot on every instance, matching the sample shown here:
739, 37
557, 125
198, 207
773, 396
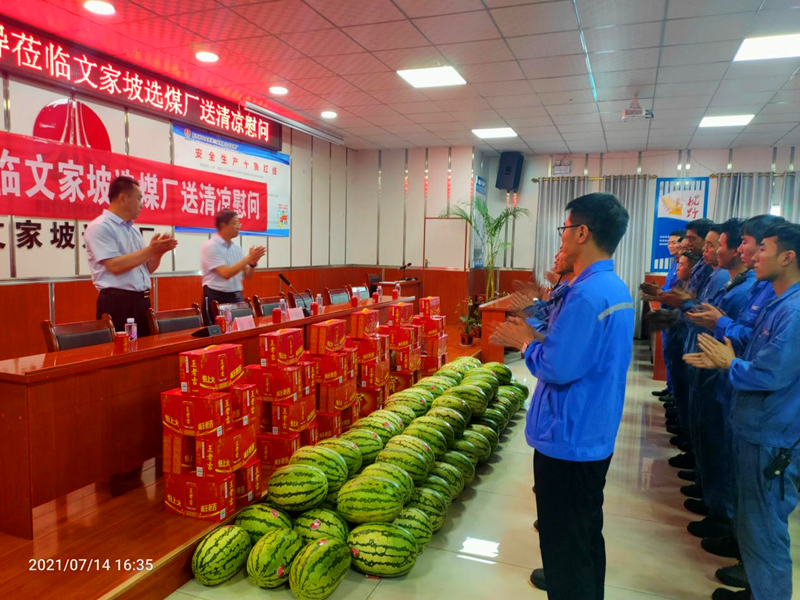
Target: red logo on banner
72, 122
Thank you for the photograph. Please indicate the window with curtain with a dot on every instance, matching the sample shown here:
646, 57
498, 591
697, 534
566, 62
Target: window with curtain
743, 195
554, 195
790, 205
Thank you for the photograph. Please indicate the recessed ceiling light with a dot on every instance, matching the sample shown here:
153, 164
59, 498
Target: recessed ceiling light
726, 121
498, 132
278, 90
774, 46
434, 77
99, 7
204, 56
328, 114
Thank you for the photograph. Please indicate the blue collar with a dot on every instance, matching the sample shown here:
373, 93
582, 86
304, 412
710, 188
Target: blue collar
600, 265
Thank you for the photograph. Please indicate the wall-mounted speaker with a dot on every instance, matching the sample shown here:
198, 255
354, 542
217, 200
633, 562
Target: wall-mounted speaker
509, 171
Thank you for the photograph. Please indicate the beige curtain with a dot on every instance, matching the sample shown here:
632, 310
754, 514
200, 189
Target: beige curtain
554, 195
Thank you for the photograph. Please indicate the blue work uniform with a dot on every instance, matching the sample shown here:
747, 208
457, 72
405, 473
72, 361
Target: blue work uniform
669, 283
739, 330
541, 313
765, 415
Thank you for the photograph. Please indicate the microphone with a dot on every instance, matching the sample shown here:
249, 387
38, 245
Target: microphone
291, 287
403, 269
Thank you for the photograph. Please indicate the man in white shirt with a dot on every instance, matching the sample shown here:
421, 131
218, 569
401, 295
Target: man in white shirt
224, 264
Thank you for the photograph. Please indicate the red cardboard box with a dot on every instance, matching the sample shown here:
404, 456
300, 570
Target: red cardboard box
407, 360
244, 402
179, 453
226, 454
211, 369
434, 345
329, 367
429, 306
275, 450
327, 337
431, 363
265, 416
293, 417
399, 382
310, 435
336, 396
198, 415
370, 399
209, 499
363, 323
329, 424
350, 415
400, 314
280, 348
350, 361
248, 483
405, 336
370, 348
374, 373
275, 383
429, 326
308, 369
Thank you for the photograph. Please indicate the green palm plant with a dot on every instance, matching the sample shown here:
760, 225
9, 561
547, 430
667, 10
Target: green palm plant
489, 230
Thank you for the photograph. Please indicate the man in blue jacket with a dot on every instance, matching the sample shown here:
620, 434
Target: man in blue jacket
581, 366
765, 417
673, 245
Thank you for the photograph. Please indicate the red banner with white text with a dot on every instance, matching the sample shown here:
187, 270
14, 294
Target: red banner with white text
40, 178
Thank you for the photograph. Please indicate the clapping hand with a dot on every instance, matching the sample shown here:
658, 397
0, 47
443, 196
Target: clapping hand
720, 354
515, 333
161, 243
674, 298
255, 254
707, 317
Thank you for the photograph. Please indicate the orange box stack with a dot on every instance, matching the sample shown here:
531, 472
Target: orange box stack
433, 340
370, 353
334, 376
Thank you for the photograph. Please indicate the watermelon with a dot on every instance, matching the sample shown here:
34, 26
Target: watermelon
221, 554
452, 475
405, 413
437, 484
430, 435
297, 487
440, 425
501, 371
512, 391
368, 499
382, 549
368, 442
417, 523
497, 416
480, 442
454, 403
319, 523
435, 385
268, 563
392, 417
526, 392
410, 398
326, 460
411, 461
469, 360
475, 397
486, 431
485, 375
462, 463
453, 418
319, 568
432, 503
259, 519
330, 501
507, 406
393, 473
490, 421
348, 450
384, 428
413, 443
451, 373
468, 449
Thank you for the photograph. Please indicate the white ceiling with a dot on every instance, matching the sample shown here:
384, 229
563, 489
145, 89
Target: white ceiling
526, 64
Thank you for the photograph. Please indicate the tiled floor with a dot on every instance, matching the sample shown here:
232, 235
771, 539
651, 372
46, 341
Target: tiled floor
488, 547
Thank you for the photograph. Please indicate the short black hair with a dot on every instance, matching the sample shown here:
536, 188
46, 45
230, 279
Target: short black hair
121, 185
732, 228
756, 226
691, 257
605, 217
679, 233
224, 217
700, 226
788, 235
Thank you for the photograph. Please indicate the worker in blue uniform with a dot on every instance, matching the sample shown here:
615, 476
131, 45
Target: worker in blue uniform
540, 313
581, 365
765, 416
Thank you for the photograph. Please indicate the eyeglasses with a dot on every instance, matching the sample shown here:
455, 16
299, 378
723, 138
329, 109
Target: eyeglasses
563, 228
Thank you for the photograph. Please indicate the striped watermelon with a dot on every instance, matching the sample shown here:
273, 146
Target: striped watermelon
221, 554
411, 461
268, 563
526, 392
259, 519
330, 501
326, 460
505, 405
476, 396
468, 360
486, 431
319, 569
453, 403
417, 523
480, 442
440, 425
406, 413
348, 450
413, 401
394, 473
435, 385
384, 428
392, 417
462, 463
382, 549
297, 487
368, 442
432, 503
430, 435
501, 371
413, 443
452, 475
437, 484
453, 418
368, 499
319, 523
420, 393
497, 415
450, 373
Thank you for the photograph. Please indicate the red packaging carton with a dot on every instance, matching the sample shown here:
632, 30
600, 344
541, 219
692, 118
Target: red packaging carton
209, 499
431, 363
244, 402
329, 367
248, 483
179, 453
370, 399
265, 416
226, 454
405, 336
211, 369
280, 348
363, 323
350, 361
307, 372
429, 326
327, 337
336, 396
374, 374
275, 450
275, 383
399, 382
310, 435
350, 415
407, 360
400, 314
329, 424
434, 345
429, 306
198, 415
293, 417
368, 348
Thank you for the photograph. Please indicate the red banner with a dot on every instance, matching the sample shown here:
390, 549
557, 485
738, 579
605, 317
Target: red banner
40, 178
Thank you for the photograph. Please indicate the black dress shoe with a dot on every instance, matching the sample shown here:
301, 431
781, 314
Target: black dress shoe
661, 393
668, 399
537, 579
726, 594
672, 423
726, 547
671, 413
670, 405
733, 576
710, 527
696, 506
675, 440
692, 491
536, 524
682, 461
687, 475
685, 446
674, 430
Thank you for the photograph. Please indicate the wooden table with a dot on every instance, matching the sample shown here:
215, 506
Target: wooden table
492, 314
76, 417
408, 287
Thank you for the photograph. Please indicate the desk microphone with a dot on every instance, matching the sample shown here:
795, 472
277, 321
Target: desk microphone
403, 269
291, 287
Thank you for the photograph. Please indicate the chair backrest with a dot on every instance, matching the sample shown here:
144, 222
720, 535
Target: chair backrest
77, 335
302, 300
167, 321
372, 282
263, 306
337, 295
238, 309
359, 290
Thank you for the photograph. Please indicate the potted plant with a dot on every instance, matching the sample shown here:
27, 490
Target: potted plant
470, 321
468, 330
489, 230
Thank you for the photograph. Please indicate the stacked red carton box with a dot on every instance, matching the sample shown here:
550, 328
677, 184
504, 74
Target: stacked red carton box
371, 352
433, 339
210, 426
405, 352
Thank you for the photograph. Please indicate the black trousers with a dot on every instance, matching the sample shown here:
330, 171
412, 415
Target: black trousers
123, 304
210, 294
569, 500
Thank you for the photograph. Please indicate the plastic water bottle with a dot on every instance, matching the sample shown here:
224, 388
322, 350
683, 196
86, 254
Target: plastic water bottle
130, 329
380, 293
318, 300
397, 289
284, 309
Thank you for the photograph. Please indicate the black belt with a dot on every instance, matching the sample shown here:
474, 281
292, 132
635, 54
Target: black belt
207, 290
125, 293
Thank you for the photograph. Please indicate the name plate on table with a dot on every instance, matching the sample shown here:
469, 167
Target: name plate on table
243, 323
295, 313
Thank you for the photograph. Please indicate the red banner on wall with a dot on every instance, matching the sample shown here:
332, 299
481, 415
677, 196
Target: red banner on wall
46, 179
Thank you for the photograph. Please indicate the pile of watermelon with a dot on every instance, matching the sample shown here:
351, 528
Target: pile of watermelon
373, 498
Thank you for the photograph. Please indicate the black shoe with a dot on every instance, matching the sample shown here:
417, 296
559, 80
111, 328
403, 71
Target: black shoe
692, 491
710, 527
667, 398
682, 461
685, 446
671, 413
726, 547
661, 393
537, 579
726, 594
536, 524
674, 430
670, 406
687, 475
696, 506
675, 440
733, 576
672, 423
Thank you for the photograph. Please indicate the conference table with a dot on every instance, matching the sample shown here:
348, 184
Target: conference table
76, 417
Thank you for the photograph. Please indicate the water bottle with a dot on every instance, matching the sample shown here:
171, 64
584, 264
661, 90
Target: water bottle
130, 329
380, 293
397, 289
284, 309
319, 300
